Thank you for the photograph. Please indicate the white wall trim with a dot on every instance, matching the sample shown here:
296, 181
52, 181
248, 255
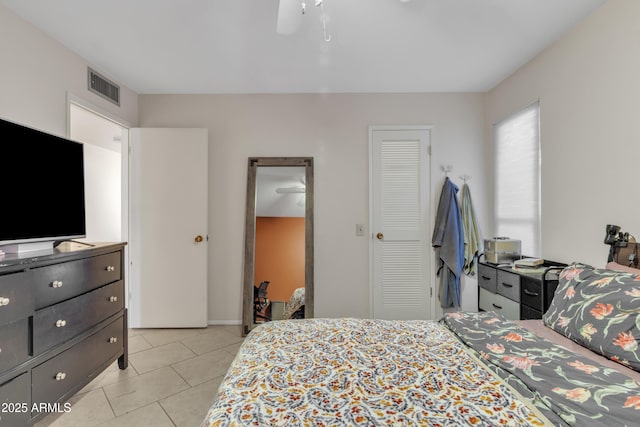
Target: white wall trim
224, 322
83, 103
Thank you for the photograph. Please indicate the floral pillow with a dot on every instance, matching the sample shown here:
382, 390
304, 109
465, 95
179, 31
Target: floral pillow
600, 310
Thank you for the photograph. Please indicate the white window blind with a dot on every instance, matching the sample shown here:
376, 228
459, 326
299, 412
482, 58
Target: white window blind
517, 174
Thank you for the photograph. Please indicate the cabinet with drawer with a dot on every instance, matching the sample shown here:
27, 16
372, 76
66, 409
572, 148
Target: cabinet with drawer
516, 295
498, 303
58, 282
14, 344
15, 396
62, 322
16, 300
57, 376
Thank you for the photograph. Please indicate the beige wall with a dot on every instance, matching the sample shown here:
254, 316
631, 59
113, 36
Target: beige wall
37, 73
589, 90
279, 255
334, 130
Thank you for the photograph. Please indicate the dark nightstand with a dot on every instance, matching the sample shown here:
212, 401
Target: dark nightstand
516, 294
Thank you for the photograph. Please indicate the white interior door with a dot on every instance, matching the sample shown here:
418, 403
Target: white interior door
399, 220
168, 228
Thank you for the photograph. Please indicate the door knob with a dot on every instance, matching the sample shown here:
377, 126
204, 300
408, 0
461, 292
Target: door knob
380, 236
198, 239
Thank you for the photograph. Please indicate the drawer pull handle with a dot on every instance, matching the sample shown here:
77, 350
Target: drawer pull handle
113, 340
507, 285
57, 284
110, 268
60, 376
496, 306
113, 299
532, 294
486, 278
4, 301
61, 323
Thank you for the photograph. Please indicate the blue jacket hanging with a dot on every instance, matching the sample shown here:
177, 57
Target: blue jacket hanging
448, 239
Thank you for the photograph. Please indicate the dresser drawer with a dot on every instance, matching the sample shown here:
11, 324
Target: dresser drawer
508, 285
14, 344
531, 293
16, 401
55, 283
59, 375
56, 324
494, 302
16, 297
549, 293
487, 277
529, 313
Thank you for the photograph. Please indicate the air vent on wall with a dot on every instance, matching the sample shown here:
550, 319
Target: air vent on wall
104, 87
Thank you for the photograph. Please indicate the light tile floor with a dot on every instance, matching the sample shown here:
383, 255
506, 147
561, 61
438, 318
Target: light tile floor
171, 381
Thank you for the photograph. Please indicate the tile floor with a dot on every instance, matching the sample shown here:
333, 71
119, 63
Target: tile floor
172, 378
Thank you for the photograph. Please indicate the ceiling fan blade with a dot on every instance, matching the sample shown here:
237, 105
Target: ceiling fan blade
289, 190
289, 16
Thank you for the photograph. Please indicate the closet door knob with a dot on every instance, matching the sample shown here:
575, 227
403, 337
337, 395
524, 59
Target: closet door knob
380, 236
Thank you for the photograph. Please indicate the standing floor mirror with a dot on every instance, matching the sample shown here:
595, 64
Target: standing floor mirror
278, 245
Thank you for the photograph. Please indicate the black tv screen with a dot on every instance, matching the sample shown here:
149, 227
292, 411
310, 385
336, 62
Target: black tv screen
42, 186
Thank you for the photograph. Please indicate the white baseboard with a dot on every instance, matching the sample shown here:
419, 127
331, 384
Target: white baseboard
224, 322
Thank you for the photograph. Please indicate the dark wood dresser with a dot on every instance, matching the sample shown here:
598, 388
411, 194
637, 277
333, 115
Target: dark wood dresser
517, 295
62, 322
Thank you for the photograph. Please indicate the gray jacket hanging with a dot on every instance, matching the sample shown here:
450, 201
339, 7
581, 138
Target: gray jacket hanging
448, 239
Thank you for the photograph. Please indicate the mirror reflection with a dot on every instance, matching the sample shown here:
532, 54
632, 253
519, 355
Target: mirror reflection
278, 271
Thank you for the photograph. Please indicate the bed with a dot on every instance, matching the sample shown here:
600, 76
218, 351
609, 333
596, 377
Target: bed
295, 307
577, 366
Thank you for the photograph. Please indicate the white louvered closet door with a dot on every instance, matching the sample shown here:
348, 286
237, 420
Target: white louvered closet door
399, 220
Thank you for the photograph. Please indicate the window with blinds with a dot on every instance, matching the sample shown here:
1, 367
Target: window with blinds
517, 178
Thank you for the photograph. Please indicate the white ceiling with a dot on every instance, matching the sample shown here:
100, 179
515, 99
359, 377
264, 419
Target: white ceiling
271, 204
231, 46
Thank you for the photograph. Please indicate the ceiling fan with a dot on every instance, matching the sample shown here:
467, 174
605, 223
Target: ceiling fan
293, 190
290, 190
290, 13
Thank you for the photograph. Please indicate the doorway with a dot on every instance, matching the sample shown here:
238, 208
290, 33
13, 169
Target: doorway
399, 215
168, 239
106, 141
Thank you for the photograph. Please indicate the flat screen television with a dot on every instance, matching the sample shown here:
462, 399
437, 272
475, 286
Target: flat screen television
42, 189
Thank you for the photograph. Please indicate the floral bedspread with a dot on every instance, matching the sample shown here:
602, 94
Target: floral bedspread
358, 372
567, 388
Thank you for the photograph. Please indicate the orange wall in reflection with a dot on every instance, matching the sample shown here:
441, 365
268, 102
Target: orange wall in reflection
279, 255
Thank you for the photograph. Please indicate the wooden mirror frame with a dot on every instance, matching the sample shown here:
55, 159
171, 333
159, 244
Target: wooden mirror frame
250, 233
